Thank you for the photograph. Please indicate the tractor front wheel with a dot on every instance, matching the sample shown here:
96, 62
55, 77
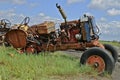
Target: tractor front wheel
99, 59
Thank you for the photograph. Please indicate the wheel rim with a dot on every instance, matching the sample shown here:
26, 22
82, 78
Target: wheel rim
97, 63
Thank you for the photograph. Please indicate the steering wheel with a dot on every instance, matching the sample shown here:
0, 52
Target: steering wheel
25, 21
5, 23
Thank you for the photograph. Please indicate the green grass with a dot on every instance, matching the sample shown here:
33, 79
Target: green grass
114, 43
39, 67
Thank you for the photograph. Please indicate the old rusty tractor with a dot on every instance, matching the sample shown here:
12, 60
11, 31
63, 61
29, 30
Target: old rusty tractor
79, 34
4, 28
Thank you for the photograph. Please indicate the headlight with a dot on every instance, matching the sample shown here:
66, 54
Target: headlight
78, 36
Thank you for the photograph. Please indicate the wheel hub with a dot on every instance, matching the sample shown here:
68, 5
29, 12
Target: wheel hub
96, 65
96, 62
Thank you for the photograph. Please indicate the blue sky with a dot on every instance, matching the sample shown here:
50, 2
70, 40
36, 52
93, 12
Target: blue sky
106, 13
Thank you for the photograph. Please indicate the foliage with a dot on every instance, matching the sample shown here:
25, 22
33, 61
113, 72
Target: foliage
14, 66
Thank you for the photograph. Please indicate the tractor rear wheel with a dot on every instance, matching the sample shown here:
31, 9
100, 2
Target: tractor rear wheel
112, 50
99, 59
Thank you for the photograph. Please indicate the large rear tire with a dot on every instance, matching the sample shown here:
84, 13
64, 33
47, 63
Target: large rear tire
112, 50
99, 59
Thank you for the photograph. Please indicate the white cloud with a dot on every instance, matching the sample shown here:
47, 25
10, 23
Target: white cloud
104, 4
105, 24
33, 5
8, 13
41, 17
47, 17
96, 4
19, 2
102, 19
115, 24
73, 1
113, 12
109, 30
41, 14
16, 18
12, 16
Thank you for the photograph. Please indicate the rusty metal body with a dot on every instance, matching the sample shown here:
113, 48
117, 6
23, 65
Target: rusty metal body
17, 38
42, 38
77, 34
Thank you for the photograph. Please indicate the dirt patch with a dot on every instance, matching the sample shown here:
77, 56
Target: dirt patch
116, 73
79, 77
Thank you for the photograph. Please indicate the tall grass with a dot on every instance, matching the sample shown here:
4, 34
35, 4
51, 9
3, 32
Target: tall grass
15, 66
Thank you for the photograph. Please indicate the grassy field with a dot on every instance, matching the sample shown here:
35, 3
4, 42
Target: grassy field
15, 66
53, 66
114, 43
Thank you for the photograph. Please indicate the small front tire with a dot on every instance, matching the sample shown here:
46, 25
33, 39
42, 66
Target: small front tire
99, 59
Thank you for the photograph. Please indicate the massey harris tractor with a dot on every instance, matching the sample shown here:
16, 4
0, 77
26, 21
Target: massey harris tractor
79, 34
